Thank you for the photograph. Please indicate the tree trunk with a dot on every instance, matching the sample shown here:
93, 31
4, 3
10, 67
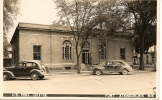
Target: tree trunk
77, 56
141, 67
78, 65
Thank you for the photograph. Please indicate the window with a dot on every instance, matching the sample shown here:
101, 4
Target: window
122, 53
20, 65
119, 63
102, 51
86, 45
66, 49
29, 64
37, 52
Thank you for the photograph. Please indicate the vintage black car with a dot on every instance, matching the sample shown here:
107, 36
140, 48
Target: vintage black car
112, 66
32, 68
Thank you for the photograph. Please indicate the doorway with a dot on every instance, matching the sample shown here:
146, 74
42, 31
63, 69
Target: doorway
86, 58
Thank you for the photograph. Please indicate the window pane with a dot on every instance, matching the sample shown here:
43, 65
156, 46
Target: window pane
37, 52
102, 51
66, 50
122, 53
35, 49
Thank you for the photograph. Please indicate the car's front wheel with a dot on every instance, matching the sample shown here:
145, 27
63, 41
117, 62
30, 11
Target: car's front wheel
34, 76
41, 77
124, 71
6, 76
98, 72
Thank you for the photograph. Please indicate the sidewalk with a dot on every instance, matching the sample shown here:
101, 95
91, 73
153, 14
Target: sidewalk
148, 68
68, 72
74, 72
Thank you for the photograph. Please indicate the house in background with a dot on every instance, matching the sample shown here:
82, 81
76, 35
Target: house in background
55, 47
149, 57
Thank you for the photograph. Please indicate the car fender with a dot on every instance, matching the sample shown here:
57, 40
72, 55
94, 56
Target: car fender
124, 67
35, 70
99, 68
9, 72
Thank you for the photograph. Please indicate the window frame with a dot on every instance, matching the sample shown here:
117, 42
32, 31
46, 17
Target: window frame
102, 51
122, 53
67, 50
38, 53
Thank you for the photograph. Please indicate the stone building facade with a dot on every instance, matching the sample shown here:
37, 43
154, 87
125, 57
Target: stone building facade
55, 47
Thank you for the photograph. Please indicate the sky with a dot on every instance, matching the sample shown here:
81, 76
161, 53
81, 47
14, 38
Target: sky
35, 11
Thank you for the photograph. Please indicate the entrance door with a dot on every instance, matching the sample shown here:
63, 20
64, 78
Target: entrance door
86, 57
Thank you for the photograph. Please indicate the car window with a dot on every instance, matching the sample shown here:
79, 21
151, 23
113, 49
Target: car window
119, 63
29, 64
21, 65
111, 63
35, 65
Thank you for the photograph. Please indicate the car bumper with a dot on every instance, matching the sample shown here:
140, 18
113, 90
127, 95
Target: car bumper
45, 74
130, 72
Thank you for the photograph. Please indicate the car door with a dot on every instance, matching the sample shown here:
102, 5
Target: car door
110, 67
18, 69
27, 68
118, 66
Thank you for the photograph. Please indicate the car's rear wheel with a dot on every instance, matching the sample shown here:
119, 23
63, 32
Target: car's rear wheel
124, 71
6, 76
41, 77
34, 76
98, 72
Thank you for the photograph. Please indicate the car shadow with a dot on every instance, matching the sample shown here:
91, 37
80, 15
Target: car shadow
26, 79
110, 74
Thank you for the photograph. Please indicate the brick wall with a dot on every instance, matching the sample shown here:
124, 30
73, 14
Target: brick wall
51, 43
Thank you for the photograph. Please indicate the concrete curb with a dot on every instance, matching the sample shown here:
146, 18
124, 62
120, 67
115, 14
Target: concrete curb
85, 73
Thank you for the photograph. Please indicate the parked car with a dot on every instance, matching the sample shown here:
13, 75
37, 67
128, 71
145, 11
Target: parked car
112, 66
32, 68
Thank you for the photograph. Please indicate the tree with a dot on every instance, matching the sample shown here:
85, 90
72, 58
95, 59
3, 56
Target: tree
6, 46
142, 14
10, 12
79, 15
85, 17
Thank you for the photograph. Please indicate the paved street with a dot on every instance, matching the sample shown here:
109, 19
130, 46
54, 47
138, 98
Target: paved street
136, 83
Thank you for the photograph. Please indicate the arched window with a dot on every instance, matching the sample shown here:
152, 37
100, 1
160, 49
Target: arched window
86, 45
102, 51
66, 49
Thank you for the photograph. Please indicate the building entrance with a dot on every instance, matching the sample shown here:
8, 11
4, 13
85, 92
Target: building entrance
86, 59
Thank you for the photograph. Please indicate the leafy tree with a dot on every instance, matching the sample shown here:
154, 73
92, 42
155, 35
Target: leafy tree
79, 15
87, 18
142, 14
10, 12
6, 46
